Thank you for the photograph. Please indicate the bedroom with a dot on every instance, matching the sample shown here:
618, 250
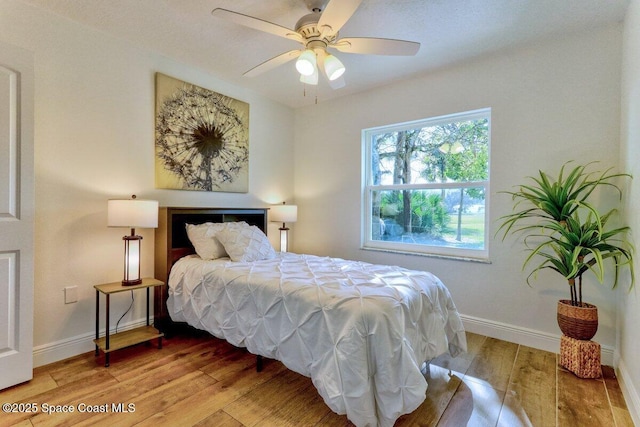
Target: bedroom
93, 130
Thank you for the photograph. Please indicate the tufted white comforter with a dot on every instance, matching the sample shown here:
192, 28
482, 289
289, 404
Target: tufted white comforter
360, 331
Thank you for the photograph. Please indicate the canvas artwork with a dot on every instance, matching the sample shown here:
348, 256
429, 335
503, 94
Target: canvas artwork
202, 138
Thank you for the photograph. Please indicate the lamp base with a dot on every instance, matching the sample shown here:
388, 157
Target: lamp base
132, 245
284, 239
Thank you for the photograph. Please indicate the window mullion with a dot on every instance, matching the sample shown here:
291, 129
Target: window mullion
428, 186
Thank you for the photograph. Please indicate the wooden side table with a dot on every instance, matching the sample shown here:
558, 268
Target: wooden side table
112, 342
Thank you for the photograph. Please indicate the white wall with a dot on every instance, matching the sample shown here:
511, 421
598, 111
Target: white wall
551, 102
94, 133
628, 347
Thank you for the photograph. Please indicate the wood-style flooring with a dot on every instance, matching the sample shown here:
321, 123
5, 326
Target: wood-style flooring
197, 380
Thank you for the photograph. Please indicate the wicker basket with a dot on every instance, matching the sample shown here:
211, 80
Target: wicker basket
577, 322
580, 357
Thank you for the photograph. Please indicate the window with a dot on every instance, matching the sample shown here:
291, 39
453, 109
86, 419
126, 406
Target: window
426, 186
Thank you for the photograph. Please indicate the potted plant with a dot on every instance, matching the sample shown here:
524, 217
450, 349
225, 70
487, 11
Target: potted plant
570, 236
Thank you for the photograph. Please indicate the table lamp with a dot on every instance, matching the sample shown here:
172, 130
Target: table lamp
284, 213
132, 213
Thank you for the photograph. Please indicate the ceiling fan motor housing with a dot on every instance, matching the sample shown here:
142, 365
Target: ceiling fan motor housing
307, 27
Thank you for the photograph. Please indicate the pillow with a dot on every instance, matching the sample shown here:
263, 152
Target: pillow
204, 240
246, 244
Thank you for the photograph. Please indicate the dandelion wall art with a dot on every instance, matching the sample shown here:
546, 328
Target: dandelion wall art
202, 138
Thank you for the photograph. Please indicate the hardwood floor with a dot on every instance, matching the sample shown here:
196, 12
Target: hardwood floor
197, 380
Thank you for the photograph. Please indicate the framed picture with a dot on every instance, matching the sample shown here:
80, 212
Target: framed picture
201, 138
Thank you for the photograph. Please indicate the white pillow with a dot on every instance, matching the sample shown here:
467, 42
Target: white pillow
246, 244
204, 240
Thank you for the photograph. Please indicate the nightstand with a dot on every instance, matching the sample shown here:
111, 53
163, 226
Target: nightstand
112, 342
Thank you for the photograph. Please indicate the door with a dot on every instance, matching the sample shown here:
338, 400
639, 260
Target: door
16, 215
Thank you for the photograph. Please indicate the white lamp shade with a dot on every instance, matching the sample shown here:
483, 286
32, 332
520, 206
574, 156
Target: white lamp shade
455, 148
284, 213
132, 213
306, 63
333, 67
310, 80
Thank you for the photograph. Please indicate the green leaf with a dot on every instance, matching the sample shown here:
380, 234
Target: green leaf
564, 230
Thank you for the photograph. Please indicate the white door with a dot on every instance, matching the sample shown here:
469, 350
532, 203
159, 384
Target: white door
16, 215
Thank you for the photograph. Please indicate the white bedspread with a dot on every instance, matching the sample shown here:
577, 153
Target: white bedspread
360, 331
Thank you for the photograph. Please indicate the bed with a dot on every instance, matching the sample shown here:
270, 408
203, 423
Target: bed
361, 332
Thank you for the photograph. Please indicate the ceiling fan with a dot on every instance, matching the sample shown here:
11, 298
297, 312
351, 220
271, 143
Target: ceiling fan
318, 31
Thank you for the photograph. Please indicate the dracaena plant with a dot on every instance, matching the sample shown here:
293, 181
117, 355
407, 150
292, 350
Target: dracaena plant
576, 246
549, 213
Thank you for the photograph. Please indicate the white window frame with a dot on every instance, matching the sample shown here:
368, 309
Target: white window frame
421, 249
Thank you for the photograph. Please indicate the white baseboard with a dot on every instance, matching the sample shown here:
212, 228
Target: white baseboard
631, 394
63, 349
524, 336
53, 352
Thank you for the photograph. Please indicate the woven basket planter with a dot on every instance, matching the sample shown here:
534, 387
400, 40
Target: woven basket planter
576, 322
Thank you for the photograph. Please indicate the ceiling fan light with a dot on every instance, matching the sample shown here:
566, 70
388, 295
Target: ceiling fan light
333, 67
445, 148
306, 63
310, 80
457, 147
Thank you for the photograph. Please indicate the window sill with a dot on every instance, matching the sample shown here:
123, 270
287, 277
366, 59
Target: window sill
429, 255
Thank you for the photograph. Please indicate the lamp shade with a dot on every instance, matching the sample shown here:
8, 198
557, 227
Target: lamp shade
455, 148
132, 213
284, 213
310, 80
306, 63
333, 67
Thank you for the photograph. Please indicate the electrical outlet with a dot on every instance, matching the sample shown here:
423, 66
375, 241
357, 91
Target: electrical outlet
70, 294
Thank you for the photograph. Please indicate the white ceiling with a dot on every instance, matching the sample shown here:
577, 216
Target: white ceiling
449, 31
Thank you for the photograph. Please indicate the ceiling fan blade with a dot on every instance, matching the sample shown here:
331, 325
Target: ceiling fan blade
272, 63
336, 14
257, 24
375, 46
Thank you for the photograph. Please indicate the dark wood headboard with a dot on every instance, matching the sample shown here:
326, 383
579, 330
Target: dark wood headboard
172, 243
